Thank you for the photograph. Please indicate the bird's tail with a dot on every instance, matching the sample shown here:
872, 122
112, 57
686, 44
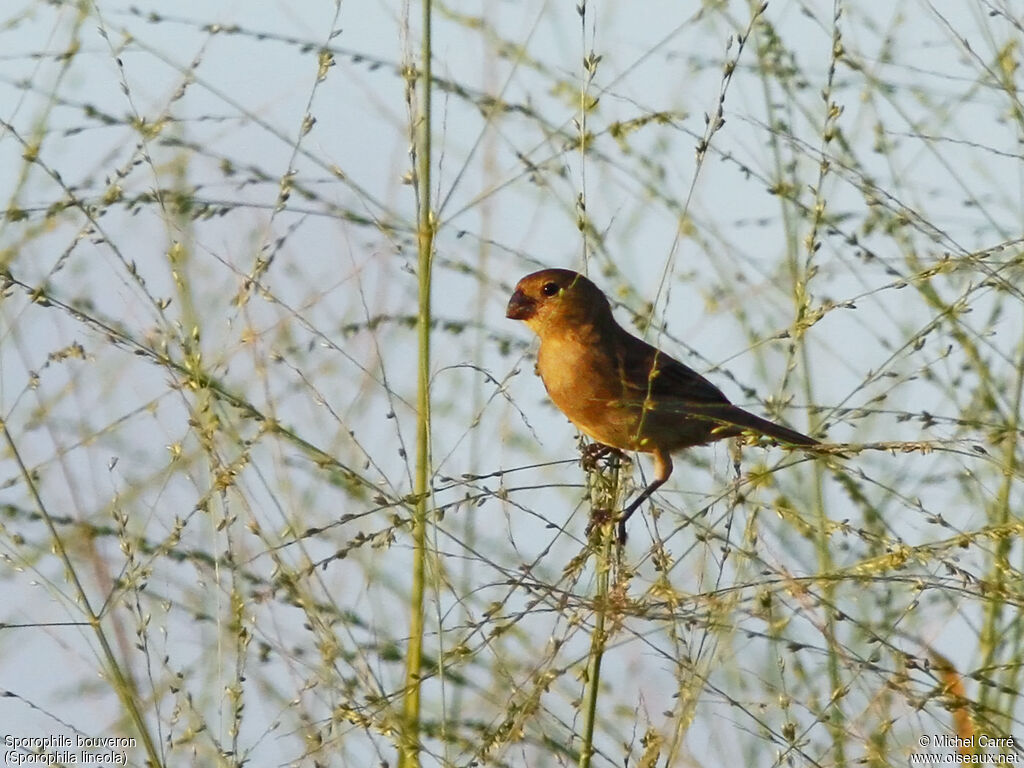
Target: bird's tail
746, 420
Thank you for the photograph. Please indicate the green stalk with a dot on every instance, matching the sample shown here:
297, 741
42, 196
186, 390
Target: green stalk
409, 756
598, 639
802, 276
799, 274
605, 494
123, 684
997, 639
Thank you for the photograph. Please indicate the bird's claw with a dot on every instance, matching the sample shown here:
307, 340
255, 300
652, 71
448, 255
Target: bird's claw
598, 517
592, 453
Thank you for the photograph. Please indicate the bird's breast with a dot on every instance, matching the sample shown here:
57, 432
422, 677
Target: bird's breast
585, 381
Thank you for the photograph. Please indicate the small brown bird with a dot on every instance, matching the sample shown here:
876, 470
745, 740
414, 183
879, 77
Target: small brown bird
619, 390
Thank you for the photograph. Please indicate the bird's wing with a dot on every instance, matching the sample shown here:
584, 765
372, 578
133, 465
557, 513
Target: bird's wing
661, 383
650, 374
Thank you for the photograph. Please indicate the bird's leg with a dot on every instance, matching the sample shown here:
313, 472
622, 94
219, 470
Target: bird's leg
628, 511
662, 471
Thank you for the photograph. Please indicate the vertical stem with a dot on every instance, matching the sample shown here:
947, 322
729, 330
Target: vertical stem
598, 639
410, 748
999, 637
802, 276
581, 199
120, 679
605, 494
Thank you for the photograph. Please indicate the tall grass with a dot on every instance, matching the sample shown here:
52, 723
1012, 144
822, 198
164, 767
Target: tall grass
420, 117
278, 486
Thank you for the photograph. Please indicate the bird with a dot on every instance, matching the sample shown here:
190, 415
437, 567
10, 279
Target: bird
620, 391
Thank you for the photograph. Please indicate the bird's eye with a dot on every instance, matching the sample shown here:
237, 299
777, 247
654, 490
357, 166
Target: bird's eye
549, 289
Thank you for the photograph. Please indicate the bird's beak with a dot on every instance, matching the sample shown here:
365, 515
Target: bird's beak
521, 306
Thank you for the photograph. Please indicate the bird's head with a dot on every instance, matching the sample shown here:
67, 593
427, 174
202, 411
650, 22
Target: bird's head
557, 298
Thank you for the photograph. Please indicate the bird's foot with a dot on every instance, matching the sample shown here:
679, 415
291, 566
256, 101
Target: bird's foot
592, 453
598, 517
